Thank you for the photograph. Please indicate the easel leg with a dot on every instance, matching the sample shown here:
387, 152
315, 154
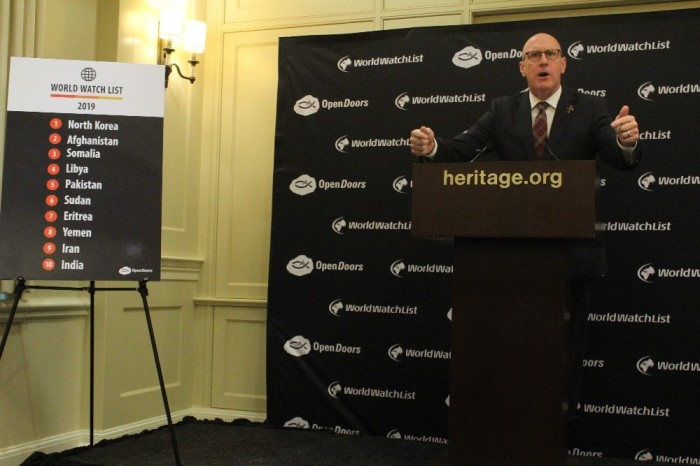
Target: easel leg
91, 290
19, 289
144, 293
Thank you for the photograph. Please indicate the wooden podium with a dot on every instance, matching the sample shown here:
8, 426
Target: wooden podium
512, 223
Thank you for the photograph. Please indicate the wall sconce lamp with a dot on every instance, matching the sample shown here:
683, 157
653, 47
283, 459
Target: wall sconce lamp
170, 29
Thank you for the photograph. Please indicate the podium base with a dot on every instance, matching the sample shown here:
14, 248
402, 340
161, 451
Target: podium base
508, 353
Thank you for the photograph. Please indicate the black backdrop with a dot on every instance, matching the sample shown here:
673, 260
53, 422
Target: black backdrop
359, 312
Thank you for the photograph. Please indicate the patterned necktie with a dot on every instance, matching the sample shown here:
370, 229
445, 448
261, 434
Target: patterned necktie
539, 130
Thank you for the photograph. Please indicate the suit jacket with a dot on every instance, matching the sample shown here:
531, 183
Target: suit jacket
580, 131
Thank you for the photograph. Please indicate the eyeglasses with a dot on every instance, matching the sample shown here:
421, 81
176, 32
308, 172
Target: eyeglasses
551, 54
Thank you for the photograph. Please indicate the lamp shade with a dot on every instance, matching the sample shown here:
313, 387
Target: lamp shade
171, 19
195, 36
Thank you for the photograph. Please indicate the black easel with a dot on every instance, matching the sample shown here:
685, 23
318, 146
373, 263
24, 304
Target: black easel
21, 287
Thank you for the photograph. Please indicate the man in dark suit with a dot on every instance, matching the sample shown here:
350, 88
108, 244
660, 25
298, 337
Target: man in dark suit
578, 126
548, 122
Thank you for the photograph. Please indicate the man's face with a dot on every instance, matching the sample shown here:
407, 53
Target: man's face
543, 75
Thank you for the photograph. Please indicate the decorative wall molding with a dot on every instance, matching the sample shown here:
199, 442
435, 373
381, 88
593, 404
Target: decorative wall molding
181, 269
43, 308
230, 302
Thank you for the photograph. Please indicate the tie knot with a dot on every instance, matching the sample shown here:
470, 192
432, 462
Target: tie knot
542, 106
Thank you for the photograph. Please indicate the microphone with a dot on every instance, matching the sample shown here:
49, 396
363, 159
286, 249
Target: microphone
546, 146
482, 151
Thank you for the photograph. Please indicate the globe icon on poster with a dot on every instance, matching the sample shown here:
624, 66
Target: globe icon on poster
88, 74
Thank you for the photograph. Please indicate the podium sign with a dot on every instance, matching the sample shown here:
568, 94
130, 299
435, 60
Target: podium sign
504, 199
512, 222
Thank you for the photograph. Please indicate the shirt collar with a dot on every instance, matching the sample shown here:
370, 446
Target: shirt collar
553, 99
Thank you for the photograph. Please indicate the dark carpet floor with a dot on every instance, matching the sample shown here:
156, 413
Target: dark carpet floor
247, 443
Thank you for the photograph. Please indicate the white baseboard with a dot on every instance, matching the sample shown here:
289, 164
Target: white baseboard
16, 454
226, 414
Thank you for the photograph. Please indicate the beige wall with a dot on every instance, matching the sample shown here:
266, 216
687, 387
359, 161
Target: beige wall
209, 310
